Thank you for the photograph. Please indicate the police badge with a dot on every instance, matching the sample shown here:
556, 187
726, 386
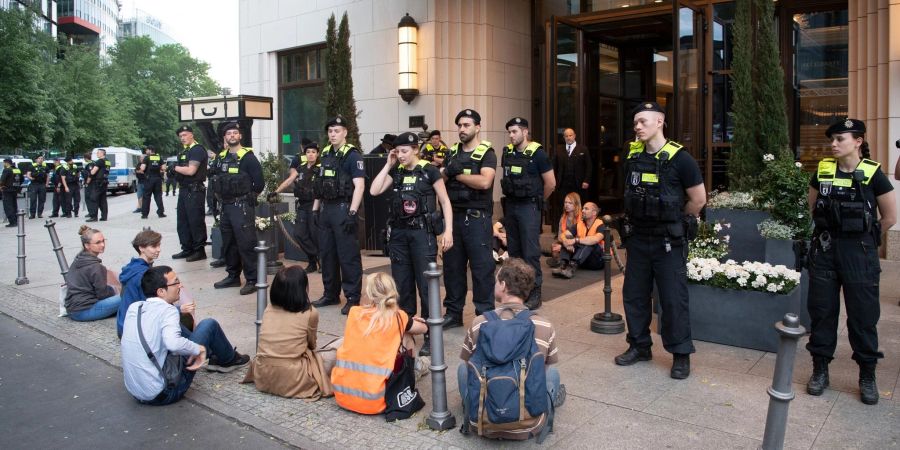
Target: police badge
848, 123
825, 187
635, 178
359, 165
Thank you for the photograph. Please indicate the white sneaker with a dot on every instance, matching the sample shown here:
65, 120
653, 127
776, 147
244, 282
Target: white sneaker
422, 366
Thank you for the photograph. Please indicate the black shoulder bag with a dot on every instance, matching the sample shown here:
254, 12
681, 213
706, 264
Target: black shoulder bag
401, 397
174, 364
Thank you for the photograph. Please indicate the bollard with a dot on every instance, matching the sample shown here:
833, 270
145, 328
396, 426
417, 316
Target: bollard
57, 248
607, 322
781, 392
261, 285
440, 417
274, 265
21, 278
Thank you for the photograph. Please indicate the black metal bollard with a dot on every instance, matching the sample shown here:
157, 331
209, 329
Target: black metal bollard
781, 392
261, 284
607, 322
21, 278
440, 417
274, 265
57, 248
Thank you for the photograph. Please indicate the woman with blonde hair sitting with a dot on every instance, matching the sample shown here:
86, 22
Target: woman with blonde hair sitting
568, 226
372, 338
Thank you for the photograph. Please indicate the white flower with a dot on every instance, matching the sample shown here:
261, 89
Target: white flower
726, 238
772, 288
768, 157
798, 164
717, 227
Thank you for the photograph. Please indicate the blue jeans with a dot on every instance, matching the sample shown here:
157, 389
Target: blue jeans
209, 334
100, 310
551, 372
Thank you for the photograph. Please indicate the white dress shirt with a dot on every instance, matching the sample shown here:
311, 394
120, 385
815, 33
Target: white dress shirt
570, 147
162, 331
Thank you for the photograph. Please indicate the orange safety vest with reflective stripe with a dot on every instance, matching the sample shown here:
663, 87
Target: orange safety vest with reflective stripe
364, 363
584, 232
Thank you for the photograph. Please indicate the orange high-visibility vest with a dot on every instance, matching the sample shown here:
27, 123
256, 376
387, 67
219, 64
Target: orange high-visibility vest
584, 232
364, 363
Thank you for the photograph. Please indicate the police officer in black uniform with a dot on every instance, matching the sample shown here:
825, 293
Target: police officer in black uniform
304, 168
55, 185
664, 194
10, 184
86, 180
339, 191
238, 181
846, 196
96, 192
527, 182
152, 167
37, 190
190, 172
69, 190
469, 170
417, 188
434, 150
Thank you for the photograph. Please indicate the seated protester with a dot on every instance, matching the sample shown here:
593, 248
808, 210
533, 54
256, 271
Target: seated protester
513, 281
568, 226
585, 250
91, 288
500, 250
286, 361
372, 337
163, 334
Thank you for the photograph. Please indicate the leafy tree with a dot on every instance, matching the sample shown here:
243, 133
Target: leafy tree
772, 123
339, 81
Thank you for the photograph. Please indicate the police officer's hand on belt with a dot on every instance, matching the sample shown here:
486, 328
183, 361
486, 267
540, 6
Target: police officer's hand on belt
349, 223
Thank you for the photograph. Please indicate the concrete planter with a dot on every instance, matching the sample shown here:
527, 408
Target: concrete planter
780, 251
268, 210
271, 236
290, 250
746, 243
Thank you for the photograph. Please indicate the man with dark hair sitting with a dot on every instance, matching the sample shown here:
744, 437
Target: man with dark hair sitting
585, 250
161, 333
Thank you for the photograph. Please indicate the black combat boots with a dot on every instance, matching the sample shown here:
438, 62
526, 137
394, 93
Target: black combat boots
818, 381
868, 391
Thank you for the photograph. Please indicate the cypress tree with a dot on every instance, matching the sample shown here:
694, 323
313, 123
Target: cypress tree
745, 160
331, 107
772, 125
339, 79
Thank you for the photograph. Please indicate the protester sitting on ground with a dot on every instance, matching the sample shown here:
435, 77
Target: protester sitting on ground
286, 361
568, 225
92, 290
372, 337
500, 250
163, 334
513, 281
585, 250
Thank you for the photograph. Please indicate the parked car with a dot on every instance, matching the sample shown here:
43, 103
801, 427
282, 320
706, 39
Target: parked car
123, 161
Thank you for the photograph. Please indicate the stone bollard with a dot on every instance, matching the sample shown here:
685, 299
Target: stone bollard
607, 322
440, 417
21, 278
261, 284
781, 392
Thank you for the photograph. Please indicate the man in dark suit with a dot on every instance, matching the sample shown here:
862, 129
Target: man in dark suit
573, 167
387, 143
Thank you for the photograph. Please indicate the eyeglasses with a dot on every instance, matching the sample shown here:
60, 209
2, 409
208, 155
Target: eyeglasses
101, 241
176, 283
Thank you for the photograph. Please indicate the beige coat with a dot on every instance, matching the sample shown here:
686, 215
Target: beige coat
286, 362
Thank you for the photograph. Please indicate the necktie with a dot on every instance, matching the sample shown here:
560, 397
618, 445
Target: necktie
569, 149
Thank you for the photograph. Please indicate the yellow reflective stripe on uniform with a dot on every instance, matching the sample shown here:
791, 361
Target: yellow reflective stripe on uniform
240, 153
233, 170
364, 368
409, 180
422, 163
649, 178
329, 173
869, 168
303, 159
467, 171
477, 154
842, 182
17, 171
515, 169
827, 169
671, 148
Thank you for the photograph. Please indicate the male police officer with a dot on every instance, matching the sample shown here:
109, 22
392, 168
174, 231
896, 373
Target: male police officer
527, 182
99, 180
659, 174
11, 185
70, 189
435, 150
238, 181
469, 169
62, 198
339, 191
37, 190
303, 171
190, 172
86, 179
152, 167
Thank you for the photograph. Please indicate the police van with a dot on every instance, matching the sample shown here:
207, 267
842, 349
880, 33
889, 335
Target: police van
123, 162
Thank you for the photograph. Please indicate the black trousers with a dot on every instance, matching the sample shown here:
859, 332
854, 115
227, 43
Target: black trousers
587, 257
171, 185
238, 226
304, 233
341, 261
472, 246
522, 221
850, 264
10, 203
152, 186
191, 218
75, 194
648, 261
96, 196
411, 250
37, 198
62, 200
211, 202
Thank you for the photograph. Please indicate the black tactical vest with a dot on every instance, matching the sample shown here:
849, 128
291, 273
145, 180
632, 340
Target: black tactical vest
654, 198
304, 184
414, 195
845, 205
460, 194
153, 164
518, 182
231, 182
39, 173
333, 183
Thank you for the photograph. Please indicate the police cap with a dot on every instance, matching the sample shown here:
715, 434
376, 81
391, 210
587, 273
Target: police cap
389, 138
520, 121
311, 145
470, 113
184, 128
407, 138
7, 160
231, 126
647, 106
434, 133
335, 121
846, 126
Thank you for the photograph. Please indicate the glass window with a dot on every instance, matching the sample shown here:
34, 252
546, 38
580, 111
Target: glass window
302, 92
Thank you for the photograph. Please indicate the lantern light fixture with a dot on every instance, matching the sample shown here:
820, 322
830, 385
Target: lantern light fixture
407, 44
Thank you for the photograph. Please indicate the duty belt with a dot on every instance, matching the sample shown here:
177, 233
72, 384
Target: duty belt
195, 186
414, 223
471, 212
336, 201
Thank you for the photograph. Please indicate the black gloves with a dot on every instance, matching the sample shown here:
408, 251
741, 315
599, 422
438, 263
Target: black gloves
452, 168
350, 224
315, 218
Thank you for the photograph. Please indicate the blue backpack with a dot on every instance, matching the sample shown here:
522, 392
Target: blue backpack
506, 385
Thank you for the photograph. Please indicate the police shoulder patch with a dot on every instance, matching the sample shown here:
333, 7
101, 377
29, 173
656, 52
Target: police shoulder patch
359, 165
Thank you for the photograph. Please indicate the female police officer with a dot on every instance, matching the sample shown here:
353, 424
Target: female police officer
416, 184
844, 195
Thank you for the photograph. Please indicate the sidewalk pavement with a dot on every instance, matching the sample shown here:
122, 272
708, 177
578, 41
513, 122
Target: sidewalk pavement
722, 405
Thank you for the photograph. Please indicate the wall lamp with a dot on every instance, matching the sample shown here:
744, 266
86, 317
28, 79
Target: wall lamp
407, 42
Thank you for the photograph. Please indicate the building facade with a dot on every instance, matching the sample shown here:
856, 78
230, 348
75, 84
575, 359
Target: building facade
45, 13
143, 24
90, 22
577, 63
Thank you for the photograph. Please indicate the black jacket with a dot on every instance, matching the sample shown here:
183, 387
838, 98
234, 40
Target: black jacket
572, 170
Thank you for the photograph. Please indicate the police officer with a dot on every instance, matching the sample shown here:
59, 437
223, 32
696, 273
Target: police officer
97, 183
304, 168
664, 192
69, 189
62, 199
37, 190
152, 168
54, 187
86, 179
171, 183
238, 181
10, 184
190, 173
212, 206
527, 182
435, 150
469, 172
417, 188
846, 196
339, 191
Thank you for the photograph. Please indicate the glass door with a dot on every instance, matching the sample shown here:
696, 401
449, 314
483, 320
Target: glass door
565, 88
689, 80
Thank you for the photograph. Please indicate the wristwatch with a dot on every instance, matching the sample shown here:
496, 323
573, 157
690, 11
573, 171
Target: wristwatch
351, 213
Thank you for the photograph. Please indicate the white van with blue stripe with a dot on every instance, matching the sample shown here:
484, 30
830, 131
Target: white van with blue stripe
123, 162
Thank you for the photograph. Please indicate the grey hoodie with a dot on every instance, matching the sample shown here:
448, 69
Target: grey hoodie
86, 282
